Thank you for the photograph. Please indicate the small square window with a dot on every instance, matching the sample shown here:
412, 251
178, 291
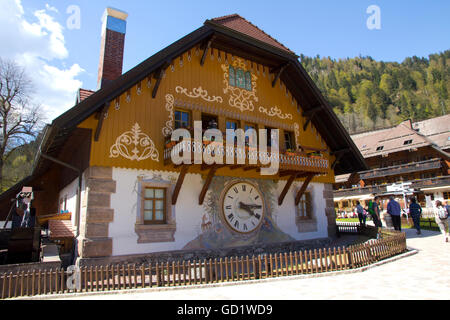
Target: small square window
154, 205
380, 148
406, 142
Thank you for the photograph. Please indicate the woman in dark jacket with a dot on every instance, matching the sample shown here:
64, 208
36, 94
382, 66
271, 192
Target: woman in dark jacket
415, 211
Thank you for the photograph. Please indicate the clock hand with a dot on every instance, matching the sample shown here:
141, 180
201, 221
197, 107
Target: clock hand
246, 208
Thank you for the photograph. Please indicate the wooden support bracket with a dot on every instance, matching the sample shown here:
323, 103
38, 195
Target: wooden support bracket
205, 52
286, 188
176, 191
280, 71
202, 195
159, 77
310, 115
101, 118
303, 188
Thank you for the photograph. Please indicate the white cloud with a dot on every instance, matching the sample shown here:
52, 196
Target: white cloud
38, 45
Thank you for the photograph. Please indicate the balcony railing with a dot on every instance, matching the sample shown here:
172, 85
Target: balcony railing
401, 169
248, 157
377, 189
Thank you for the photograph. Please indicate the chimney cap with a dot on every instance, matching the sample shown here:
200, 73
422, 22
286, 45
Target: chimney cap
116, 13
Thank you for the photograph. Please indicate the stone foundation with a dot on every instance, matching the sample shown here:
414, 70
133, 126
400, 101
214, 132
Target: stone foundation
96, 213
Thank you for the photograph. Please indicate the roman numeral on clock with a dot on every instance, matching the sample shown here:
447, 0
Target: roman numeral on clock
228, 207
236, 224
230, 217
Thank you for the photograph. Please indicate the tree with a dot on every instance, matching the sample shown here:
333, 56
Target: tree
20, 120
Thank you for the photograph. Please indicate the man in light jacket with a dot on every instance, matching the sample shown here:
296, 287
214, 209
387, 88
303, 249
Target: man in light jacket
394, 210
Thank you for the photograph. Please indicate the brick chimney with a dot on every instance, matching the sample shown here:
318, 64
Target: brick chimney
112, 45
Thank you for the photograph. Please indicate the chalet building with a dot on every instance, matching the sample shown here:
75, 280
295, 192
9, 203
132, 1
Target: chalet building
413, 153
107, 160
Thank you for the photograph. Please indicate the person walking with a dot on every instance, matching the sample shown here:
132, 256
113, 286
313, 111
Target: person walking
360, 212
374, 211
415, 210
394, 210
441, 218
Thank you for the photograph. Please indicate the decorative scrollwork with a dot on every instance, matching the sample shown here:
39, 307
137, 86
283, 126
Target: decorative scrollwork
275, 111
199, 93
134, 145
167, 129
297, 133
240, 98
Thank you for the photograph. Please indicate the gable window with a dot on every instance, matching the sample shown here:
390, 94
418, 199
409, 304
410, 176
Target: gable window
407, 142
288, 140
380, 148
182, 119
239, 78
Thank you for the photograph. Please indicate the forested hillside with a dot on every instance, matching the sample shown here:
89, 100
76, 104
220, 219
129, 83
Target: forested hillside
368, 94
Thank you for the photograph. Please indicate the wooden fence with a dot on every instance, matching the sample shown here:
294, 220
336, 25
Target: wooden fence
185, 273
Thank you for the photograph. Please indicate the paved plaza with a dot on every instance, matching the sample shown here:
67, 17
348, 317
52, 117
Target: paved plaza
424, 275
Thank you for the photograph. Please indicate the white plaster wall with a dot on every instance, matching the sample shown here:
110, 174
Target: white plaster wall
188, 213
284, 215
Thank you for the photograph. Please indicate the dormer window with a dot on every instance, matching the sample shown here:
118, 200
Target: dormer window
240, 79
380, 148
406, 142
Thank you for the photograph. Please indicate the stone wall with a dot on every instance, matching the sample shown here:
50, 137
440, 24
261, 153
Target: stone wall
96, 213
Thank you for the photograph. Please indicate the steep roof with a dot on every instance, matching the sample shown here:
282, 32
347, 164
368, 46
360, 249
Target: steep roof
432, 132
241, 38
240, 24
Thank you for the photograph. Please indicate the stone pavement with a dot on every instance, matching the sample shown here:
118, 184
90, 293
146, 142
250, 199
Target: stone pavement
424, 275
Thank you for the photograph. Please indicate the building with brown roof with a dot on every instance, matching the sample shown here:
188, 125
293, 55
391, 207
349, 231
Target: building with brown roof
128, 195
415, 153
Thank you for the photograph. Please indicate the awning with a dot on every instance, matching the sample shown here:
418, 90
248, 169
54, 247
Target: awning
60, 229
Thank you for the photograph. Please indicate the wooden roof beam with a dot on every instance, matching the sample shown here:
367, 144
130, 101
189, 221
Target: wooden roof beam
209, 178
101, 118
278, 74
206, 50
158, 76
176, 191
310, 114
286, 188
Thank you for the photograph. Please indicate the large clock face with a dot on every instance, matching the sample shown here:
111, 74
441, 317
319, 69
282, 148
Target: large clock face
242, 207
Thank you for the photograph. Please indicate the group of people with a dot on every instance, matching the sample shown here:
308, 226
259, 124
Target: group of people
441, 214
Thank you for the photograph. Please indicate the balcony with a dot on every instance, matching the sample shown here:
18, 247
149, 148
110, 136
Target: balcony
284, 163
401, 169
249, 158
419, 184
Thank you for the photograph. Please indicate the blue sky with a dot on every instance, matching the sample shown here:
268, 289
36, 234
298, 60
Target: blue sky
326, 28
